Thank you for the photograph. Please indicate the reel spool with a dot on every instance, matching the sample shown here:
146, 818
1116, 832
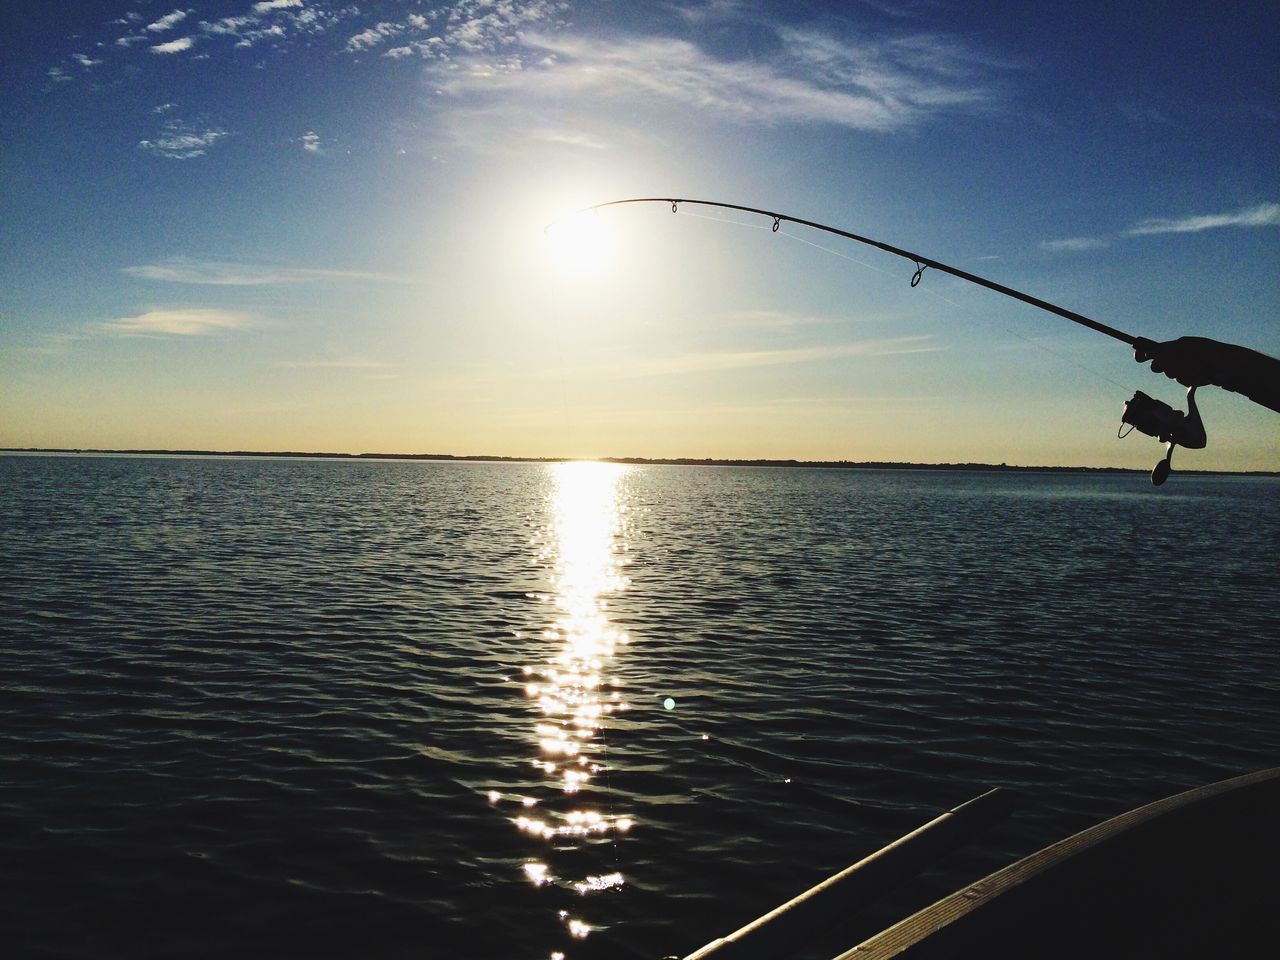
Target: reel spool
1157, 419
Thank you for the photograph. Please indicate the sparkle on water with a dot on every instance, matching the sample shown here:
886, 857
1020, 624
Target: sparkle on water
573, 691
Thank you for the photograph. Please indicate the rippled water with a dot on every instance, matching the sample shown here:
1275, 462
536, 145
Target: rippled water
336, 709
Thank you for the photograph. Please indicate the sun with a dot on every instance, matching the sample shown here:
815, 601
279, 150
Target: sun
579, 243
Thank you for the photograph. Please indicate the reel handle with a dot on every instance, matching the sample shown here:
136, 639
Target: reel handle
1191, 435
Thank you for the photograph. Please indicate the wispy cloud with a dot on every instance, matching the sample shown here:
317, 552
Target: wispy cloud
704, 362
373, 36
189, 322
1263, 215
349, 363
773, 405
230, 26
1075, 244
774, 319
221, 274
469, 30
311, 142
865, 81
569, 138
85, 61
179, 141
510, 56
813, 78
472, 27
275, 20
168, 21
173, 46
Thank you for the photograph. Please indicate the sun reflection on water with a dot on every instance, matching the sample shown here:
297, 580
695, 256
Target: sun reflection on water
573, 691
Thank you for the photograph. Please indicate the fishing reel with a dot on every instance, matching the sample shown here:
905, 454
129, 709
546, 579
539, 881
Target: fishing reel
1157, 419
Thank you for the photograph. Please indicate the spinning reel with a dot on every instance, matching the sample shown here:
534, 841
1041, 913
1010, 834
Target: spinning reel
1157, 419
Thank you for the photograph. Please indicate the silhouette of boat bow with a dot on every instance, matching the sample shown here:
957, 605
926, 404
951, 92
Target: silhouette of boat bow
1195, 874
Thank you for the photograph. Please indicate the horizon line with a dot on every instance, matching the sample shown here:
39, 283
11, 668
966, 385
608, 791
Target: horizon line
634, 461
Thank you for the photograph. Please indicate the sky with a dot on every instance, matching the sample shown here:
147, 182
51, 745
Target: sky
304, 225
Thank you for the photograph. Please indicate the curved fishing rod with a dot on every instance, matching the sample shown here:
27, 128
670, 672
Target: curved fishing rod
1146, 414
920, 262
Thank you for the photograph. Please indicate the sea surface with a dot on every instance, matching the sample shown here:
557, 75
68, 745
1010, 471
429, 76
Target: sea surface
309, 708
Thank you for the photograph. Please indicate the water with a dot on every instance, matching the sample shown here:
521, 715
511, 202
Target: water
396, 709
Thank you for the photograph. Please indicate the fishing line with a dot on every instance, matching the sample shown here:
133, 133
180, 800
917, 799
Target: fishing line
933, 293
845, 256
732, 223
1074, 361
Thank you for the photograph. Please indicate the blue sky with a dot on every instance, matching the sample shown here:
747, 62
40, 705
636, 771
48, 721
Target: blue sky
309, 225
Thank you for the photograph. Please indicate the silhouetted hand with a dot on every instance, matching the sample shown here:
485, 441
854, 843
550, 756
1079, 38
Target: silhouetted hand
1189, 360
1199, 361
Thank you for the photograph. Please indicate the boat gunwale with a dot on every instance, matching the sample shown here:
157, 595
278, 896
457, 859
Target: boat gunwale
934, 919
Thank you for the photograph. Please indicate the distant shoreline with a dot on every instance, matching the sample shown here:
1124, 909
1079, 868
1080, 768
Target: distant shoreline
639, 461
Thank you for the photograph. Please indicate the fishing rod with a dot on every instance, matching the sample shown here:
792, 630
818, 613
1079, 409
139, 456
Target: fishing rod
1143, 413
921, 262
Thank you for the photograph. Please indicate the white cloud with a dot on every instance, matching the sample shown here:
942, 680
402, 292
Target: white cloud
58, 75
168, 21
1075, 244
188, 322
373, 36
173, 46
471, 28
286, 19
311, 142
222, 274
399, 53
275, 30
734, 360
85, 61
1263, 215
476, 26
813, 78
228, 26
177, 141
346, 364
568, 138
775, 319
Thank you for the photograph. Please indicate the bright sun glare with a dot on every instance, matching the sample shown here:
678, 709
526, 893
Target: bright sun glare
579, 243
